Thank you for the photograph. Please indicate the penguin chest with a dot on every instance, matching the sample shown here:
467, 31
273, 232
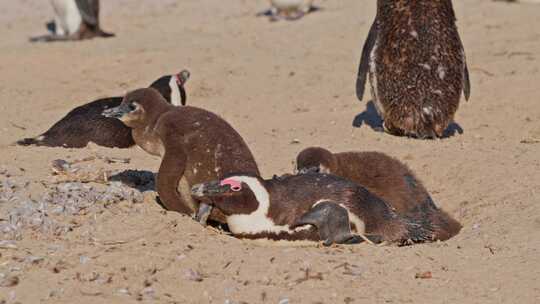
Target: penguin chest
148, 142
67, 16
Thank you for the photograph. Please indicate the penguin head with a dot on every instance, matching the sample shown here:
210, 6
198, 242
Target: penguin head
315, 160
139, 108
171, 87
237, 194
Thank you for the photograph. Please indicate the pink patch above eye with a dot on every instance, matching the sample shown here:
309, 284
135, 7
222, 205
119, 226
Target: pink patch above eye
235, 185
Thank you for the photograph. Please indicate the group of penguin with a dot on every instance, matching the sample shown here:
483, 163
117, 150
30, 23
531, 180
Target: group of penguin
416, 66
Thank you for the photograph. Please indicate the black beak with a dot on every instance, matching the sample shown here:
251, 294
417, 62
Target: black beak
116, 112
209, 189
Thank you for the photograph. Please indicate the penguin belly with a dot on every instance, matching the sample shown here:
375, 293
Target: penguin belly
68, 18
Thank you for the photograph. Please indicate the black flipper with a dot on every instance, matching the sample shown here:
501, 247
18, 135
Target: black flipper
332, 222
89, 10
466, 83
364, 61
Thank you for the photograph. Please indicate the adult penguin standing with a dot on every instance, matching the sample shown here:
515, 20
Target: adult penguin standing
416, 65
74, 20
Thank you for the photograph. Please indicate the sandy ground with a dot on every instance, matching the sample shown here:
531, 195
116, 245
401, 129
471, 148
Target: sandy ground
284, 86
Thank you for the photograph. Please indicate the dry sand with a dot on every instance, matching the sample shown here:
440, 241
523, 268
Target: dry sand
277, 83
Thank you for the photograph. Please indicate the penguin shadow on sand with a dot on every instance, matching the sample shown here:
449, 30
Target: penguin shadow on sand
140, 180
372, 119
145, 181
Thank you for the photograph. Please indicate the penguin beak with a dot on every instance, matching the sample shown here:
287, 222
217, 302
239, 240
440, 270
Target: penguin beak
116, 112
209, 189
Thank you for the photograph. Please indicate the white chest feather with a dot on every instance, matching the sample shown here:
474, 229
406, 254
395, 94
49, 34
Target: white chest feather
176, 99
67, 16
257, 221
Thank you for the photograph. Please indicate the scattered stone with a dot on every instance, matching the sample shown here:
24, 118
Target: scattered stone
8, 280
193, 275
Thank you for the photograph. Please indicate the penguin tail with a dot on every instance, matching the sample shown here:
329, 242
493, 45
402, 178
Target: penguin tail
428, 223
102, 33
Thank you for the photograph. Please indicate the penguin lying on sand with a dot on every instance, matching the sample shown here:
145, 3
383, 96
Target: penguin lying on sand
384, 176
311, 206
85, 123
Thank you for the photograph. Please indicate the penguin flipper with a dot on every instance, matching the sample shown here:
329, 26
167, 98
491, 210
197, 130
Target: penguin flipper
466, 83
364, 61
89, 10
332, 222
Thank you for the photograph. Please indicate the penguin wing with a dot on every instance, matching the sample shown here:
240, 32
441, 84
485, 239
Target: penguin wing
466, 82
364, 60
89, 10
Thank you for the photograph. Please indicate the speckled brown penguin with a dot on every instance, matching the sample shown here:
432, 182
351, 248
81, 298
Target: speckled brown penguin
195, 145
74, 20
310, 206
85, 123
416, 65
384, 176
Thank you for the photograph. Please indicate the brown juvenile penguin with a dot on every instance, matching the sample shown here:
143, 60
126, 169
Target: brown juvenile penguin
74, 20
85, 123
384, 176
195, 145
287, 208
416, 65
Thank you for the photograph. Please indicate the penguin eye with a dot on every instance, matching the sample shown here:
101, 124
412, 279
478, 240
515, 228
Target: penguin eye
132, 106
236, 188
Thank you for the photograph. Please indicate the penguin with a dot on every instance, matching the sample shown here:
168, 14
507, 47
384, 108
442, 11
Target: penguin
384, 176
288, 9
311, 206
195, 145
85, 123
74, 20
416, 65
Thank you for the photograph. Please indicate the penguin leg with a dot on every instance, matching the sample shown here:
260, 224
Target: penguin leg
332, 222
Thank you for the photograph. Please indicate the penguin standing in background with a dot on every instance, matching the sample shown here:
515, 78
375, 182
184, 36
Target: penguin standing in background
74, 20
416, 65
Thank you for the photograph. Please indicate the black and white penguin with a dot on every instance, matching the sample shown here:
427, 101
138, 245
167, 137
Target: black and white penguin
74, 20
310, 206
416, 65
85, 123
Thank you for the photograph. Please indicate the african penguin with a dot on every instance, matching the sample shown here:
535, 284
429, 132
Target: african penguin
384, 176
416, 65
309, 206
195, 146
85, 123
74, 20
